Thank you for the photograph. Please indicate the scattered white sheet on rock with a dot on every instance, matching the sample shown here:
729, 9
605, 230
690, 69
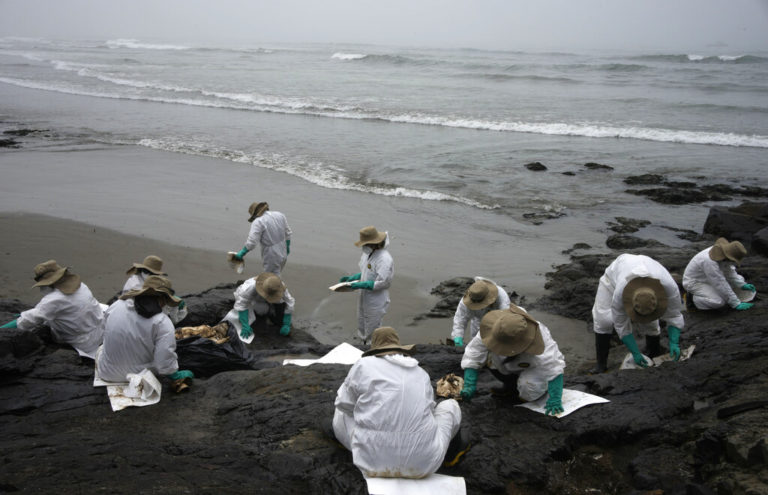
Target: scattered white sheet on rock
341, 354
572, 400
140, 389
629, 361
433, 484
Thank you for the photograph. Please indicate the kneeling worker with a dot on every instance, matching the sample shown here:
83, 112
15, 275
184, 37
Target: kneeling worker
522, 354
710, 277
260, 298
386, 414
481, 297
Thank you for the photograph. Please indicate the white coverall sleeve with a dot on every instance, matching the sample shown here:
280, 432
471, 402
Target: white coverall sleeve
42, 313
254, 235
244, 295
385, 270
460, 319
720, 282
288, 231
621, 320
289, 301
165, 360
502, 300
475, 354
674, 313
346, 396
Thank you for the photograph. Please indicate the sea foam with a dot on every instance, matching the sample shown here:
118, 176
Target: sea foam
135, 44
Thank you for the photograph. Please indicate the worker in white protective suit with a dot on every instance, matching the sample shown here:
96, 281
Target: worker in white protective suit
153, 265
68, 307
521, 353
139, 336
633, 293
386, 414
710, 279
261, 298
481, 297
270, 230
376, 271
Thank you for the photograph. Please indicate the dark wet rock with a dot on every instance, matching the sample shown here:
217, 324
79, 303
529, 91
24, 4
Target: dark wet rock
738, 222
671, 196
538, 217
450, 293
535, 166
9, 143
23, 132
685, 234
577, 246
569, 173
760, 242
624, 225
597, 166
644, 180
624, 242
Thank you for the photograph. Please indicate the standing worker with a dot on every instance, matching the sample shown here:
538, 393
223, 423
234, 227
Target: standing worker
67, 307
270, 230
385, 414
711, 278
633, 293
153, 265
481, 297
376, 271
521, 353
261, 298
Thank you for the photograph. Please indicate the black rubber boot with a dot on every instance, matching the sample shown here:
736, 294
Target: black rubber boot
652, 345
602, 348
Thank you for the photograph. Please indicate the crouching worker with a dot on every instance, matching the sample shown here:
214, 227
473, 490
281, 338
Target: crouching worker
387, 417
153, 265
138, 335
521, 353
67, 307
711, 278
481, 297
258, 299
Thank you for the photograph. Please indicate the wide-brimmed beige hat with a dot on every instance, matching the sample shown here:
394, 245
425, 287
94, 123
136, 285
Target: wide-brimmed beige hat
511, 331
385, 340
480, 294
644, 299
369, 235
270, 287
151, 263
257, 209
734, 251
50, 273
155, 285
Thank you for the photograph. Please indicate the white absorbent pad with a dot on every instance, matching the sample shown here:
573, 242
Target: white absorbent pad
139, 389
629, 361
341, 354
439, 484
572, 400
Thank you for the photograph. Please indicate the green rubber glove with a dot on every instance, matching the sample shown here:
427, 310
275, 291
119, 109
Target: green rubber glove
239, 255
350, 278
631, 344
554, 404
744, 306
674, 338
470, 384
182, 304
286, 328
246, 330
10, 324
749, 287
458, 341
368, 284
288, 246
178, 375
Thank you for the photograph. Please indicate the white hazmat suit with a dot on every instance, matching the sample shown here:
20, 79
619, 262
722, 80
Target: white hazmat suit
608, 311
464, 314
372, 305
247, 298
534, 371
270, 231
133, 343
76, 319
136, 282
712, 283
386, 416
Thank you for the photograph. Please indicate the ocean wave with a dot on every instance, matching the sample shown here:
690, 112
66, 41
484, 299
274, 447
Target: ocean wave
687, 58
348, 56
386, 58
307, 107
135, 44
313, 172
496, 76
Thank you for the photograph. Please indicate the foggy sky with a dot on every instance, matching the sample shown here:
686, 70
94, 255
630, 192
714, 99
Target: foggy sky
663, 25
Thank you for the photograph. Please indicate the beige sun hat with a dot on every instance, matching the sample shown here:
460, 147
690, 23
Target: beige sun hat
155, 285
644, 299
270, 287
50, 273
256, 210
385, 340
369, 235
511, 331
734, 250
480, 294
151, 263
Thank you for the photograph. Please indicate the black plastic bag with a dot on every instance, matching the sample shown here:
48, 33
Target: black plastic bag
206, 358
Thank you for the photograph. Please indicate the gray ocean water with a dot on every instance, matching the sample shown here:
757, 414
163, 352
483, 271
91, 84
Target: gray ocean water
452, 126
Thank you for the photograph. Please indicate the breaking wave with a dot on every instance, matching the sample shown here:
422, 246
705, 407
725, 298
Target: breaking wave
132, 43
687, 58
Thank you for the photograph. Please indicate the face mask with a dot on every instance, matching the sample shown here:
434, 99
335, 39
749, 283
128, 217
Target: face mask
367, 249
46, 289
